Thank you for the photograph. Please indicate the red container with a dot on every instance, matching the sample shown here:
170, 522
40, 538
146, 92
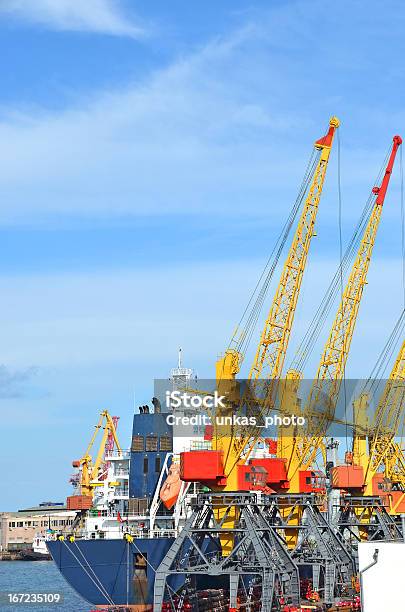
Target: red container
275, 468
312, 481
201, 465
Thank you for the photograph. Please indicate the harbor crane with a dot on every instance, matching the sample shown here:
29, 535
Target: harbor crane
233, 443
300, 451
376, 465
91, 470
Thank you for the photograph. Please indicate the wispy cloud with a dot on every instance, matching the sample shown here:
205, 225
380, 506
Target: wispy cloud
13, 382
101, 16
227, 127
171, 143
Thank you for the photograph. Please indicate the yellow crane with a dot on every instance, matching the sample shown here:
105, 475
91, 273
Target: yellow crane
377, 464
89, 469
271, 351
300, 451
388, 419
231, 445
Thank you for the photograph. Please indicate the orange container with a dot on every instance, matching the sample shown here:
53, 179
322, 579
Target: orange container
347, 477
79, 502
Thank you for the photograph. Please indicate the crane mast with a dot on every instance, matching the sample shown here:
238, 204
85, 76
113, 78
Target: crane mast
319, 410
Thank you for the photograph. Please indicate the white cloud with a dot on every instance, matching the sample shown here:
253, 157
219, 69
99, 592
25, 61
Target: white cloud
228, 128
172, 143
102, 16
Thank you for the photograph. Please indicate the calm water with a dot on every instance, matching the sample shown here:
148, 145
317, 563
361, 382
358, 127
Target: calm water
38, 576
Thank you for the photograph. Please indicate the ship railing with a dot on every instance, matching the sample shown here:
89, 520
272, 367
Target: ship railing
115, 454
201, 445
122, 517
121, 473
120, 491
153, 533
163, 533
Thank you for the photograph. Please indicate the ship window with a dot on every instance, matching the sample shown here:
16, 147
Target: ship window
157, 464
145, 465
151, 443
12, 524
19, 524
166, 443
137, 444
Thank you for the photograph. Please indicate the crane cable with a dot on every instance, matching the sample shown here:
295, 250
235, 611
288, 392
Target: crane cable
402, 222
342, 287
241, 339
385, 356
373, 382
312, 334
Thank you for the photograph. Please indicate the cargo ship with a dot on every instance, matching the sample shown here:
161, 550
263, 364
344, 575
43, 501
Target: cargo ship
115, 546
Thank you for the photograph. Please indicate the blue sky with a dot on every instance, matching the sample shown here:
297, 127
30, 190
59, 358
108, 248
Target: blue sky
149, 154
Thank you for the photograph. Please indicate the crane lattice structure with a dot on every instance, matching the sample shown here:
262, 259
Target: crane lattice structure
272, 348
89, 469
320, 408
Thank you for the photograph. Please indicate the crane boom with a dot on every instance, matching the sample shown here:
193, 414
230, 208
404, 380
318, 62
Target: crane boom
90, 468
326, 386
271, 351
334, 357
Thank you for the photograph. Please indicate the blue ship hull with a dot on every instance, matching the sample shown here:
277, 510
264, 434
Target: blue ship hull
107, 572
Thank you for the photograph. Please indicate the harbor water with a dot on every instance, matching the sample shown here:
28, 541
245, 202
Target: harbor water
38, 577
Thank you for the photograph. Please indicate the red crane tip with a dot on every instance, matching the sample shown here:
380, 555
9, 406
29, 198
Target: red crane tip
397, 140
